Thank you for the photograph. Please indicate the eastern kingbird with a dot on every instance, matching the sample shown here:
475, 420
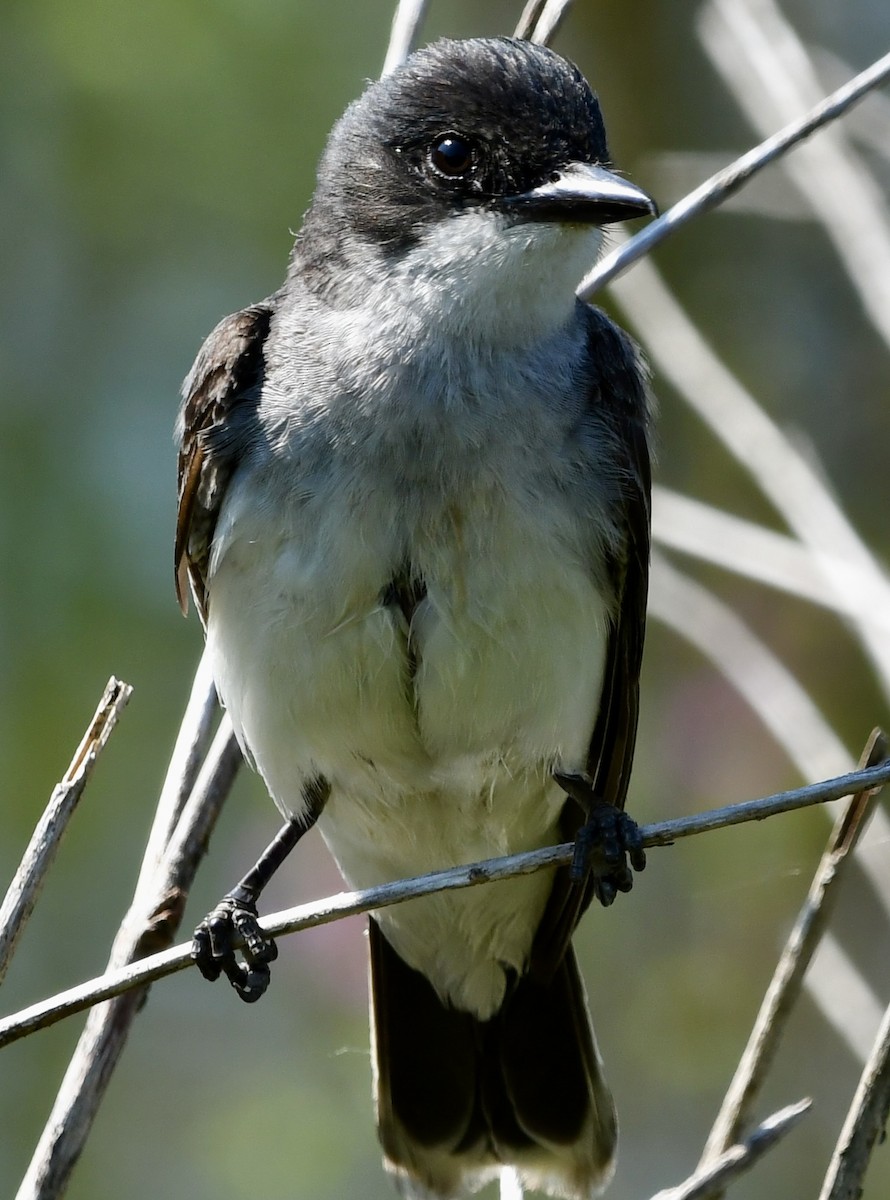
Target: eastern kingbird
414, 515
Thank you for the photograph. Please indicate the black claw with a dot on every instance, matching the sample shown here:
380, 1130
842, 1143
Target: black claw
257, 947
209, 967
249, 983
608, 846
233, 926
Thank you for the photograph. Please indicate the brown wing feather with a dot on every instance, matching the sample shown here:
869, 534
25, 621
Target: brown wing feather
227, 376
622, 382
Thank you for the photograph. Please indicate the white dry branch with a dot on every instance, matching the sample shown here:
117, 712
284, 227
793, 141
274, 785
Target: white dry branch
406, 25
844, 996
349, 904
767, 69
191, 799
541, 19
723, 184
702, 531
787, 479
772, 461
799, 727
739, 1157
783, 705
41, 852
865, 1124
787, 982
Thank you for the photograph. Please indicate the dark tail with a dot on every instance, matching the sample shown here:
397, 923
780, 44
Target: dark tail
459, 1098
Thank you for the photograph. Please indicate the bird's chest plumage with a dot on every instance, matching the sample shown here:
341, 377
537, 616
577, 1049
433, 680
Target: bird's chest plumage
431, 641
405, 638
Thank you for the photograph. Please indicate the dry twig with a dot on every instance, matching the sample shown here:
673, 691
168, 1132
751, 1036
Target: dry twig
347, 904
38, 858
406, 25
767, 69
722, 185
787, 981
693, 527
737, 1159
864, 1125
151, 922
541, 19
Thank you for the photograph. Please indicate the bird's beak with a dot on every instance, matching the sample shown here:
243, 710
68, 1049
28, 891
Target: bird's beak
584, 193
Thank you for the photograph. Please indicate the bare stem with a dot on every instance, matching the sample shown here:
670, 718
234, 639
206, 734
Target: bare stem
38, 858
151, 922
347, 904
787, 981
689, 525
722, 185
864, 1124
526, 25
541, 20
737, 1159
406, 25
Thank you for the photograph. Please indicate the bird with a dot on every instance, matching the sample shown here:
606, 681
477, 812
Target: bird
414, 518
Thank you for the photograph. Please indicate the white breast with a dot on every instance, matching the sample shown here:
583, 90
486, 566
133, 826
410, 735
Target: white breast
449, 458
448, 767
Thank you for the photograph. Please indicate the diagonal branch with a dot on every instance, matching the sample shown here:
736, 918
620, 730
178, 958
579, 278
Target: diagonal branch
864, 1125
38, 858
406, 24
692, 527
347, 904
737, 1159
787, 981
768, 70
541, 19
152, 921
722, 185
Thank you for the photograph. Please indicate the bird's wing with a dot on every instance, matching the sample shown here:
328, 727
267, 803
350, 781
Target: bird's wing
620, 394
225, 380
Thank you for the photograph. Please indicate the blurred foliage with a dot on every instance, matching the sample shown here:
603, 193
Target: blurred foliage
155, 159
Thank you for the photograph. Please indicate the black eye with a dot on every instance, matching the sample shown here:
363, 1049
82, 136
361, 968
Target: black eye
452, 155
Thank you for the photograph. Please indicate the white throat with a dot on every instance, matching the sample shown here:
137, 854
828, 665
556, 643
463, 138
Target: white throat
484, 278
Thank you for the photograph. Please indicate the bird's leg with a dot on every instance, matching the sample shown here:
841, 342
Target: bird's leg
233, 924
608, 846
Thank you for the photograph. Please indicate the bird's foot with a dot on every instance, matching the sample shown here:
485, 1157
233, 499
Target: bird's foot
233, 926
608, 846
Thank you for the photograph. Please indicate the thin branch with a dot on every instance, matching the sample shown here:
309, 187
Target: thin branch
773, 693
716, 189
406, 24
347, 904
540, 21
152, 921
189, 752
773, 462
867, 127
845, 998
739, 1158
28, 880
693, 527
864, 1125
787, 981
758, 675
526, 25
769, 72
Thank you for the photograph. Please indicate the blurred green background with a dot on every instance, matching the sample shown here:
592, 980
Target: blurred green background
155, 159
